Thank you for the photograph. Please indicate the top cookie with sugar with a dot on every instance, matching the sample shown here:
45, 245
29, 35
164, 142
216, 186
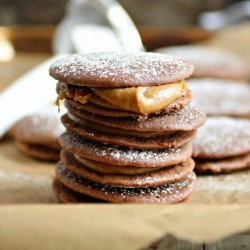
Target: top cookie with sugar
120, 69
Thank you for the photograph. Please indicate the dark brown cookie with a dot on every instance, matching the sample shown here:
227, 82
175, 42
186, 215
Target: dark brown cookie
209, 62
120, 69
221, 97
40, 152
92, 108
168, 140
37, 135
43, 127
66, 195
153, 179
225, 165
188, 118
222, 137
169, 193
123, 156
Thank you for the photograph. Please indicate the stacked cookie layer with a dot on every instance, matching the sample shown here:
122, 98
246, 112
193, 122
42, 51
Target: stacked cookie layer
37, 135
226, 149
129, 128
223, 144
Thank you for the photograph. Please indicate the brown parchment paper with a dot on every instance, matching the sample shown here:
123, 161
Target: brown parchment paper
31, 218
114, 226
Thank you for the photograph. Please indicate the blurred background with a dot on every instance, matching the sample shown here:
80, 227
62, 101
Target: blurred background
143, 12
32, 26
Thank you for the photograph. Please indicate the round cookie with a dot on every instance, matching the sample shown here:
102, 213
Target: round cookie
170, 140
40, 152
221, 97
223, 166
37, 135
123, 156
169, 193
222, 137
120, 69
188, 118
153, 179
43, 127
209, 62
66, 195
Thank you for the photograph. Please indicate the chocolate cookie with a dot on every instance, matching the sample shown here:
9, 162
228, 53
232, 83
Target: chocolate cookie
40, 152
37, 135
120, 69
209, 62
169, 193
66, 195
225, 165
188, 118
221, 97
222, 145
123, 156
155, 141
155, 178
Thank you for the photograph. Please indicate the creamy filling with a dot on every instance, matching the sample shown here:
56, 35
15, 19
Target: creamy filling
119, 131
143, 100
105, 168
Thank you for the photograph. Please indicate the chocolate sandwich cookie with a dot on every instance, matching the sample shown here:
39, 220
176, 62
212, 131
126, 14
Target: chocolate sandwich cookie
129, 128
186, 119
221, 97
66, 195
225, 165
37, 135
168, 193
209, 62
124, 156
126, 138
37, 151
222, 145
153, 178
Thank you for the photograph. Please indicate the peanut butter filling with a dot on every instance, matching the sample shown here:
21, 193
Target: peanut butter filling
105, 168
143, 100
111, 130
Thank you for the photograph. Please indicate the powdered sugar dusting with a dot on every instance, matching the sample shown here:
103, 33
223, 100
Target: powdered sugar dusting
44, 125
221, 97
231, 182
123, 156
128, 69
209, 61
222, 137
172, 190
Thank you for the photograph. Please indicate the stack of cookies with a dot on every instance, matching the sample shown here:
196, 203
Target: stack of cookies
223, 143
220, 97
129, 128
226, 149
